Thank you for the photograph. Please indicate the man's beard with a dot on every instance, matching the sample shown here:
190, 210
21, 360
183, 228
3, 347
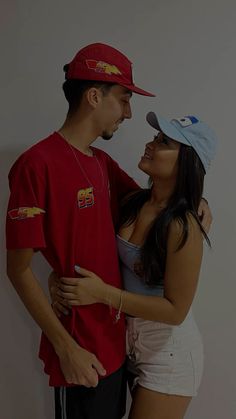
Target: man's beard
106, 135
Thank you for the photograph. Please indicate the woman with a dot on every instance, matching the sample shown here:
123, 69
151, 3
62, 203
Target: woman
160, 244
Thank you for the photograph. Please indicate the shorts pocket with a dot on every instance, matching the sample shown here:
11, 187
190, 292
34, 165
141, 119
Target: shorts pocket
156, 341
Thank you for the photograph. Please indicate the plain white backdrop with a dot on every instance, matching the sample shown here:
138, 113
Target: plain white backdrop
185, 52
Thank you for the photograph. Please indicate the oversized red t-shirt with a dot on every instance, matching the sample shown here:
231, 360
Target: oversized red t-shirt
64, 204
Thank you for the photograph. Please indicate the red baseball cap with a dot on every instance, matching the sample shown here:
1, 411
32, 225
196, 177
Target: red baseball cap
104, 63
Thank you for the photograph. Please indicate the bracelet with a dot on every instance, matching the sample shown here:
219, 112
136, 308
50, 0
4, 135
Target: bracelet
117, 317
108, 302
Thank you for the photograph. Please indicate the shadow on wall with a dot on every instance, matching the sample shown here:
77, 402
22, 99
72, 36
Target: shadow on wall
21, 370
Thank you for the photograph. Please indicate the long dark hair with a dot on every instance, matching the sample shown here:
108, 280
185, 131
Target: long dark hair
184, 200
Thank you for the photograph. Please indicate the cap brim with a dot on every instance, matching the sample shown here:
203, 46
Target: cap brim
167, 127
151, 118
137, 90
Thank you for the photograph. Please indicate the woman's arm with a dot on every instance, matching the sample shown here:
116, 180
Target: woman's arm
180, 283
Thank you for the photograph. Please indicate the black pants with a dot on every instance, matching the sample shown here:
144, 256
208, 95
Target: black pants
106, 401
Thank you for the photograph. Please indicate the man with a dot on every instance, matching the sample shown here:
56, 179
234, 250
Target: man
62, 194
64, 202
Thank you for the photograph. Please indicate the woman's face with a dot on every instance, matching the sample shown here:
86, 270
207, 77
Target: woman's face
160, 159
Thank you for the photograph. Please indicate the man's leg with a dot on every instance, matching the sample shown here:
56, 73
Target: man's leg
106, 401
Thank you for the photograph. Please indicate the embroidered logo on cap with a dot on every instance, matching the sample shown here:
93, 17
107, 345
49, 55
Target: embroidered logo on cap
102, 67
24, 212
186, 121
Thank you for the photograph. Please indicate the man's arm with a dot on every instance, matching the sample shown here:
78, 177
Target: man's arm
78, 365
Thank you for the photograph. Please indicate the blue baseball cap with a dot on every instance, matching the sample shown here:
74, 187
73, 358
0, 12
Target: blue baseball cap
188, 130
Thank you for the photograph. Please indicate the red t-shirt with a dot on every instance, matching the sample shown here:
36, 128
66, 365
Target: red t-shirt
65, 203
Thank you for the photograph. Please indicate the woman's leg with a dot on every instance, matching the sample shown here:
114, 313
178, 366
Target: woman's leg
149, 404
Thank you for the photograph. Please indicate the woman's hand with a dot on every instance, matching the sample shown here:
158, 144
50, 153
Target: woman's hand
89, 289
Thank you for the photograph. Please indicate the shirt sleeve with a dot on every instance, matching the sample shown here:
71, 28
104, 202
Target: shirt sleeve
27, 205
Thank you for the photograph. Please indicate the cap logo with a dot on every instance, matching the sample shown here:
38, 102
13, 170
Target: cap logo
186, 121
102, 67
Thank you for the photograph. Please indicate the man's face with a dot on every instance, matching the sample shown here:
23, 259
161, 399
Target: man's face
114, 108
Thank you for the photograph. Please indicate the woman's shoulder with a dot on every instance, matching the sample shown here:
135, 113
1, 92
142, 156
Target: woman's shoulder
177, 224
178, 229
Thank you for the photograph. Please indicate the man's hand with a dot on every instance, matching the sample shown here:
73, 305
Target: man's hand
79, 366
205, 215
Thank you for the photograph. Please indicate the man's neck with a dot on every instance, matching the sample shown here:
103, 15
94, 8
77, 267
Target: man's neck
78, 133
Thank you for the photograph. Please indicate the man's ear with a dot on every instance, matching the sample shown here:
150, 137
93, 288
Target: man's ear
94, 96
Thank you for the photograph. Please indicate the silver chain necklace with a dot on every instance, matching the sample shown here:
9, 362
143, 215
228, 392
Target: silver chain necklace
81, 167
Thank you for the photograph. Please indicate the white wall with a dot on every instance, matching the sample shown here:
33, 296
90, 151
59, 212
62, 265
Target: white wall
185, 52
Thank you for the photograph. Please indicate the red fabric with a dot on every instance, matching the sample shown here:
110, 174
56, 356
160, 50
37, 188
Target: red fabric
48, 177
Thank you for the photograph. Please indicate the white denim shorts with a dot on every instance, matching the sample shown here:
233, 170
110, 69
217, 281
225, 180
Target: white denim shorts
165, 358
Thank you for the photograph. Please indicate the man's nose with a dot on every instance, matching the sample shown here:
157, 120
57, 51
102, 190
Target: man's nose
127, 111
